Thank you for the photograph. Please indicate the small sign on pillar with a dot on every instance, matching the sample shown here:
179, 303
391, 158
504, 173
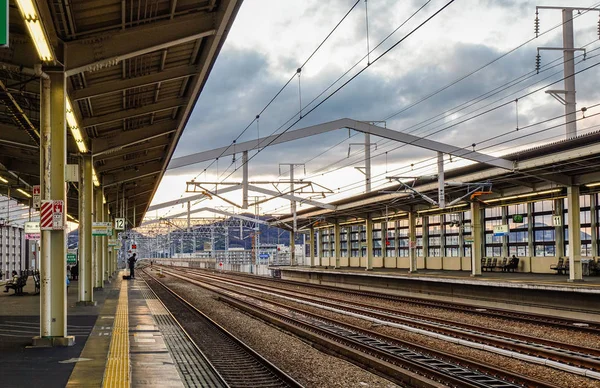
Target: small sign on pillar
37, 197
52, 215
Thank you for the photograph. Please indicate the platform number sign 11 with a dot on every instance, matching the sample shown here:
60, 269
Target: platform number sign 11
119, 223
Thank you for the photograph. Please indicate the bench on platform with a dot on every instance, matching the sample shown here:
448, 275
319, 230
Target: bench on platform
560, 266
18, 285
512, 265
36, 280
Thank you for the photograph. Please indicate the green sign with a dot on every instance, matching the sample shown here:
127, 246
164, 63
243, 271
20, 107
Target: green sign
71, 258
4, 23
518, 218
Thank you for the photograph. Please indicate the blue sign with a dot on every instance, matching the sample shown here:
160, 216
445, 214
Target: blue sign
264, 256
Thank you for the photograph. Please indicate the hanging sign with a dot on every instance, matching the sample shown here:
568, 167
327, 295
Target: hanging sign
119, 223
500, 230
101, 228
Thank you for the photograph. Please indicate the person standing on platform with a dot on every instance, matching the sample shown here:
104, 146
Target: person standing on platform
131, 262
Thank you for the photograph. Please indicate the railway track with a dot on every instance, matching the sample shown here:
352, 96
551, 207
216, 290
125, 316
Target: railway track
238, 364
579, 325
579, 356
397, 360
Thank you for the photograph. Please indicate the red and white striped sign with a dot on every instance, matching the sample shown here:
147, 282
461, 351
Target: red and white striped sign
46, 212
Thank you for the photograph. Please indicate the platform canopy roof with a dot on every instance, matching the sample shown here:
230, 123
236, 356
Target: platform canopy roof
134, 72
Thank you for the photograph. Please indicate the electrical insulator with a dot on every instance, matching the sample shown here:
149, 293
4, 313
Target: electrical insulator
536, 25
598, 29
538, 61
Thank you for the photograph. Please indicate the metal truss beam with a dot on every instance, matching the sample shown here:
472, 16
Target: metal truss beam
191, 198
101, 51
211, 210
291, 197
338, 124
103, 88
136, 112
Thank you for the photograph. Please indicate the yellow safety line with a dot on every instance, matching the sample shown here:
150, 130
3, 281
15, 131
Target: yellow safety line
117, 372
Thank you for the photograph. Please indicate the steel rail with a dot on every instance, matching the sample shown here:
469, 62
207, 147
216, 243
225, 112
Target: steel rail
566, 353
262, 373
443, 364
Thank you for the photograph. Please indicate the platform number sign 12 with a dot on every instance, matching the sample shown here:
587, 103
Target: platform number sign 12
119, 223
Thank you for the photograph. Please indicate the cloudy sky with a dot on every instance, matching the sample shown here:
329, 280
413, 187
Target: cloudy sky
472, 57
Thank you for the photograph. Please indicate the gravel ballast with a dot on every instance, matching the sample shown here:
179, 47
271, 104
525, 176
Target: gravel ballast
306, 364
532, 370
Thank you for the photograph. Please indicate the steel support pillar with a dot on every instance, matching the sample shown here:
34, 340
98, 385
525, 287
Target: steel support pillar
105, 251
559, 231
53, 160
574, 231
505, 238
367, 162
441, 183
292, 247
338, 243
311, 247
86, 192
594, 221
412, 242
369, 232
476, 247
98, 255
245, 180
569, 73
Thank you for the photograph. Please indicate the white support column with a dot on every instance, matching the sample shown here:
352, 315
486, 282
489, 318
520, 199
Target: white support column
86, 192
441, 182
575, 271
311, 246
505, 221
367, 162
338, 243
98, 255
245, 180
594, 221
53, 160
559, 231
476, 247
369, 233
412, 242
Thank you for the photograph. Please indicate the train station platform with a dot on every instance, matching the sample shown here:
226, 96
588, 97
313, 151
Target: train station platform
118, 342
534, 293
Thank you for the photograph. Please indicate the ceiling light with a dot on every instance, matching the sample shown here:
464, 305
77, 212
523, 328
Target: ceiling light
3, 180
36, 30
437, 209
74, 127
25, 193
596, 184
95, 177
522, 196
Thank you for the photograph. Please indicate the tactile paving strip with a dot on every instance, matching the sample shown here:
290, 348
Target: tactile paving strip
194, 369
117, 373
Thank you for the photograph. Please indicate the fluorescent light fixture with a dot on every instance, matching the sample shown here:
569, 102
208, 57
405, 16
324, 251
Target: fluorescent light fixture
437, 209
596, 184
391, 216
36, 31
103, 199
25, 193
3, 180
73, 219
74, 127
95, 177
522, 196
